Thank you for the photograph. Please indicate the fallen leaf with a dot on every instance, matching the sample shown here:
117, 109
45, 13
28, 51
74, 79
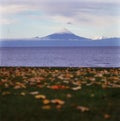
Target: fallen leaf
40, 96
76, 88
6, 85
34, 93
6, 93
46, 107
57, 101
92, 95
57, 87
23, 93
17, 87
68, 95
58, 106
107, 116
83, 108
46, 101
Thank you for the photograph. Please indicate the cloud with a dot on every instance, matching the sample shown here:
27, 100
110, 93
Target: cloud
66, 11
62, 7
5, 21
8, 11
39, 1
13, 9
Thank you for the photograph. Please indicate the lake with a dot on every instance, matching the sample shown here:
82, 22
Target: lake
60, 56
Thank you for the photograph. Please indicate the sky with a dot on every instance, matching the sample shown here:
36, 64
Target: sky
86, 18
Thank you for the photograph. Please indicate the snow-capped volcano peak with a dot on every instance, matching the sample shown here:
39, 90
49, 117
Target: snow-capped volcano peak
63, 35
64, 31
99, 38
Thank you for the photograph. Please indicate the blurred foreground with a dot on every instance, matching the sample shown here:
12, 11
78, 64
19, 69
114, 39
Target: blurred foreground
59, 94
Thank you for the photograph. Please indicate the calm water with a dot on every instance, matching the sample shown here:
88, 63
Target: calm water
73, 57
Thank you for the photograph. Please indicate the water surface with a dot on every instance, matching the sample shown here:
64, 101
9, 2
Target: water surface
60, 56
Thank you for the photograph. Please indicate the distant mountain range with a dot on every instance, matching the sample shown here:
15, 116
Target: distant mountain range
64, 38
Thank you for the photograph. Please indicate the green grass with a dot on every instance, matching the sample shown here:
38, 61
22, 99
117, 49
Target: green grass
100, 101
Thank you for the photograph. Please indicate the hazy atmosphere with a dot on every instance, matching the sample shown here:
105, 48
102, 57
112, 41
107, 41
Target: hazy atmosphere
87, 18
59, 60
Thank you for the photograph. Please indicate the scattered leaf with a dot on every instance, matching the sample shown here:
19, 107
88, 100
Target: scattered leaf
40, 96
46, 101
23, 93
34, 93
83, 108
76, 88
57, 101
58, 106
68, 95
6, 93
107, 116
46, 107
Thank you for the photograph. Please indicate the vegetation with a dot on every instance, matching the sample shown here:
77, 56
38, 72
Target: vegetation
59, 94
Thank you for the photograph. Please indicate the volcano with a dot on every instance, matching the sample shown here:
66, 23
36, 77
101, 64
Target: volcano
64, 34
63, 38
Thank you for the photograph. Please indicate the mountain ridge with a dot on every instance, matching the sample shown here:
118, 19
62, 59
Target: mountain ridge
60, 39
62, 35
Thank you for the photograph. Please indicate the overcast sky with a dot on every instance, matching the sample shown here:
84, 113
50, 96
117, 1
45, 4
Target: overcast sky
87, 18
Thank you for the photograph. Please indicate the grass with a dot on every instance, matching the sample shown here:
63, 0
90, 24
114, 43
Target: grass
97, 99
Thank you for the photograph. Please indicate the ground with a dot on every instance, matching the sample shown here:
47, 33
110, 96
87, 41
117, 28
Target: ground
59, 94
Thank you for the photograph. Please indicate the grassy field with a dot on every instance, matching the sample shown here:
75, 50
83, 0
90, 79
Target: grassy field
59, 94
